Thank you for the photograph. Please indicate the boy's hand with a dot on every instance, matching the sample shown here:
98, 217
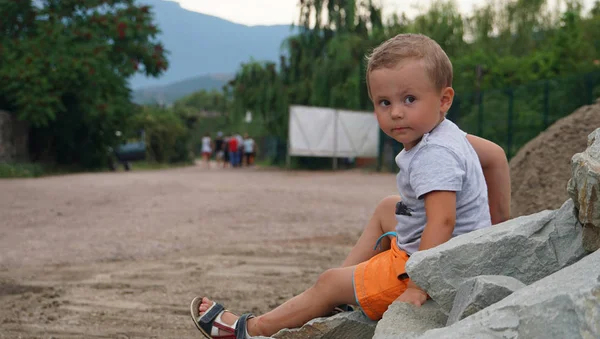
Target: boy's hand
413, 296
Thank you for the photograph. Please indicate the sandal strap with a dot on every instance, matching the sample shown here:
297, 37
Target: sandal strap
207, 319
219, 325
346, 308
241, 328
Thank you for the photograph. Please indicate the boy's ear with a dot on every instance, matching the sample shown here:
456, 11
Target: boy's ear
446, 99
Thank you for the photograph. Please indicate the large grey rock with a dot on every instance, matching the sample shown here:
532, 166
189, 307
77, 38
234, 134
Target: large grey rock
340, 326
526, 248
583, 188
477, 293
565, 304
406, 321
591, 238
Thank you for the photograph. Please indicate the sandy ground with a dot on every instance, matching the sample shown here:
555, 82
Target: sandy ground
120, 255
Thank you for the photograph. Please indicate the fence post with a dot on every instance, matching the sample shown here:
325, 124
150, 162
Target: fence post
288, 157
589, 86
334, 164
546, 103
478, 77
511, 101
480, 115
454, 111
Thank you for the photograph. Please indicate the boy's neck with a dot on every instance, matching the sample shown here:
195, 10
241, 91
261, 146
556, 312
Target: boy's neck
436, 125
421, 138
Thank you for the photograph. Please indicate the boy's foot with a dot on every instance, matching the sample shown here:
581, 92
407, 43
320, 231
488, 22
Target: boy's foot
215, 322
227, 318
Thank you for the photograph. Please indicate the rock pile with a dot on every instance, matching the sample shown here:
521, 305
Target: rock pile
536, 276
539, 172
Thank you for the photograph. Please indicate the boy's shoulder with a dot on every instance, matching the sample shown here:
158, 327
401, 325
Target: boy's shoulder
446, 133
447, 137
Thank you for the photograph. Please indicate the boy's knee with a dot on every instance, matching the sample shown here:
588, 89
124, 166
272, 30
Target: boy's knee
327, 279
388, 204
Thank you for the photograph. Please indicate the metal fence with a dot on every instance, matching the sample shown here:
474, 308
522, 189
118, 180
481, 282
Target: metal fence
512, 116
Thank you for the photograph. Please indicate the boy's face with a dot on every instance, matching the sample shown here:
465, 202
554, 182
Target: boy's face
407, 104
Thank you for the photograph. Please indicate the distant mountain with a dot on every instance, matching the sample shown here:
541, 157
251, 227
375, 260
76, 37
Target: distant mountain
169, 93
201, 44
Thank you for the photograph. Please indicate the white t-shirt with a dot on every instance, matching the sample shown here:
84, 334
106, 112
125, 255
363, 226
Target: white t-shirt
248, 145
206, 147
443, 160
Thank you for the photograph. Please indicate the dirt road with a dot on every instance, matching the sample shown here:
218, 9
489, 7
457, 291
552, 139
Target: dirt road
120, 255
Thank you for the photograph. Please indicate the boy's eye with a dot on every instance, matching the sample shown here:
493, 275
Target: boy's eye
409, 99
384, 103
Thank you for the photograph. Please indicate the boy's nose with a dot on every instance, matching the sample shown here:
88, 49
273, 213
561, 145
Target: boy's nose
397, 113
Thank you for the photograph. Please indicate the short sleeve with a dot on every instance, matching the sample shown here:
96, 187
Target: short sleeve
435, 168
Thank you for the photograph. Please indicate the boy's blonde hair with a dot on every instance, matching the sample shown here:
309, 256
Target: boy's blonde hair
412, 46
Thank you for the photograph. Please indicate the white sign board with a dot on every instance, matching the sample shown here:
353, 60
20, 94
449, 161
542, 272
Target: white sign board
326, 132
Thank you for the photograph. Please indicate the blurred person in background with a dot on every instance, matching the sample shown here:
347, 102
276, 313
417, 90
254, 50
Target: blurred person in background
240, 150
219, 148
249, 149
233, 150
206, 149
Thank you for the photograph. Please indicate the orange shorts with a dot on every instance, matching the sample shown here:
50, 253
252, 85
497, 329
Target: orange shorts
380, 280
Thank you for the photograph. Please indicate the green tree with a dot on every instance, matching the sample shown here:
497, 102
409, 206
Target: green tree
167, 139
258, 88
193, 107
501, 44
444, 24
64, 67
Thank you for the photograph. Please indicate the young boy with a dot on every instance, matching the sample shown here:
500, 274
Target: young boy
442, 194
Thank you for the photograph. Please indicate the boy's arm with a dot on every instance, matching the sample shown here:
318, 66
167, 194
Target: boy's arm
440, 206
440, 211
497, 176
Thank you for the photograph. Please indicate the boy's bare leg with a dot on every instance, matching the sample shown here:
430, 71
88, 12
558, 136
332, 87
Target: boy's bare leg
334, 287
382, 221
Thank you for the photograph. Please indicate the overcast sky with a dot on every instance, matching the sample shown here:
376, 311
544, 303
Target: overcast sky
269, 12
